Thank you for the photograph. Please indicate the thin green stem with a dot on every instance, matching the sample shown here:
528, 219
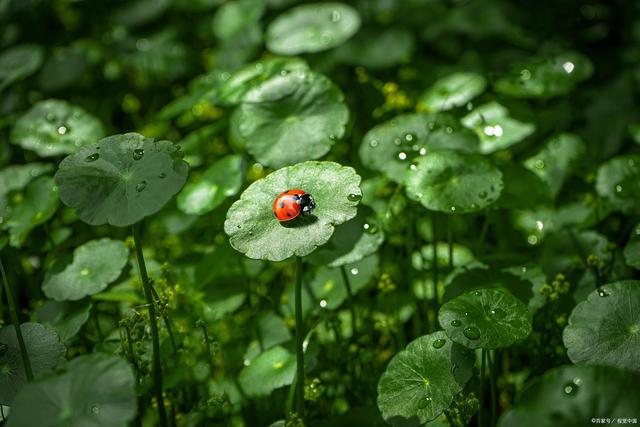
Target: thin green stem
434, 261
207, 346
450, 239
347, 285
299, 341
13, 312
151, 309
492, 380
166, 321
96, 324
480, 411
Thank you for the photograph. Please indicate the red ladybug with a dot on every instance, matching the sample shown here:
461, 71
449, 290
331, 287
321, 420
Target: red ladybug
292, 203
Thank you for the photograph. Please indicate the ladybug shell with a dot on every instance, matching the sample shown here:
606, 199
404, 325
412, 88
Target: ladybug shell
287, 205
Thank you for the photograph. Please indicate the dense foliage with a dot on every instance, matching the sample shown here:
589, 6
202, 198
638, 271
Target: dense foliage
472, 258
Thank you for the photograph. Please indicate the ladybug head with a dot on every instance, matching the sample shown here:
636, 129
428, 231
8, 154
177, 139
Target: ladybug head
307, 203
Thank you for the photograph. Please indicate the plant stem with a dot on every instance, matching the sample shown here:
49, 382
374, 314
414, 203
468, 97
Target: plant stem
13, 312
492, 381
480, 412
299, 341
167, 323
207, 346
151, 309
347, 285
434, 262
450, 239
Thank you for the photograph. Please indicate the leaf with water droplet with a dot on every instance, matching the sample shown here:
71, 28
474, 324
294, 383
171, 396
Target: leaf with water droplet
271, 370
385, 147
453, 90
448, 178
288, 120
618, 182
95, 264
496, 129
312, 27
105, 191
52, 127
96, 390
419, 382
479, 328
328, 182
566, 394
606, 330
45, 353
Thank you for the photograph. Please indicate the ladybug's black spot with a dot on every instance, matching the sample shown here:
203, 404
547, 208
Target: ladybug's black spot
288, 214
282, 204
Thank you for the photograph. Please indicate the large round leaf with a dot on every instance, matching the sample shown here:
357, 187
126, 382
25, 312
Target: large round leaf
43, 347
19, 62
312, 28
254, 230
618, 182
272, 369
121, 179
97, 390
421, 380
95, 265
291, 118
485, 318
64, 317
605, 329
575, 396
477, 278
632, 249
453, 182
393, 146
451, 91
207, 191
53, 127
378, 48
495, 128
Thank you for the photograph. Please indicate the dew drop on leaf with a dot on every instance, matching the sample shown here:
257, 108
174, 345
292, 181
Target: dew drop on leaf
95, 409
138, 153
162, 175
498, 313
92, 157
373, 143
570, 388
603, 292
355, 271
353, 197
482, 194
3, 349
141, 186
471, 332
62, 130
456, 322
424, 402
402, 155
439, 343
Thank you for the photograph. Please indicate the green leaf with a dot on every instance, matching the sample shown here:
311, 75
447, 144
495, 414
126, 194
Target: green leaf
97, 390
618, 182
485, 318
632, 250
378, 48
523, 189
423, 260
254, 230
272, 369
312, 28
206, 192
484, 278
233, 90
291, 118
53, 127
451, 91
393, 146
95, 265
121, 179
605, 328
419, 383
271, 330
495, 128
45, 353
573, 395
19, 62
557, 160
35, 207
453, 182
16, 177
351, 242
234, 17
64, 318
546, 77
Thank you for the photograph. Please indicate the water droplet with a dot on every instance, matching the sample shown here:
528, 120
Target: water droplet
452, 208
471, 332
439, 343
3, 349
570, 388
335, 16
477, 294
603, 292
85, 272
141, 186
448, 129
92, 157
413, 167
353, 197
618, 188
372, 230
525, 74
355, 271
402, 155
415, 147
568, 67
409, 137
424, 402
62, 130
138, 153
373, 143
419, 195
423, 151
162, 175
456, 323
532, 239
497, 130
332, 137
539, 225
577, 381
483, 194
95, 409
539, 164
323, 303
397, 141
50, 117
498, 313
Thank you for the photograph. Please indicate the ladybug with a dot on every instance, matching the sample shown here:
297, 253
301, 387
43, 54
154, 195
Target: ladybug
291, 203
